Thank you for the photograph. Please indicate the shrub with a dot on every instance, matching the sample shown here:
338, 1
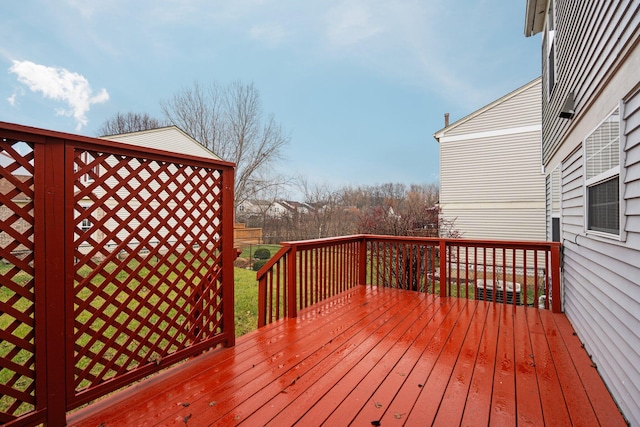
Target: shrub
258, 264
262, 253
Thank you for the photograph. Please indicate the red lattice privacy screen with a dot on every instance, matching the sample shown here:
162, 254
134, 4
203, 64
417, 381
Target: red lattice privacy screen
117, 261
17, 284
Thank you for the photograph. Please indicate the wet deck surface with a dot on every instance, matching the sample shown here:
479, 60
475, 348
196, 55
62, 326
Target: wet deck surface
380, 356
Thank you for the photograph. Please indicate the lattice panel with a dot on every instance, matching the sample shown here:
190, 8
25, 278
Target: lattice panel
17, 293
147, 250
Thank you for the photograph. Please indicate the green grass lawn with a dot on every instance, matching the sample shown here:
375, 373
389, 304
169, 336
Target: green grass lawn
246, 301
248, 251
246, 319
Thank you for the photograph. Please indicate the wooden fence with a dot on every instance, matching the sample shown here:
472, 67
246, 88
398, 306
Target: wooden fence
117, 261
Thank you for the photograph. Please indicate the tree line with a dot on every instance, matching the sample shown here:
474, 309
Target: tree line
386, 209
229, 120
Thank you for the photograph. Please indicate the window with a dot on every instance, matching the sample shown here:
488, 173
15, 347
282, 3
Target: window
85, 159
602, 174
550, 32
604, 214
554, 204
85, 225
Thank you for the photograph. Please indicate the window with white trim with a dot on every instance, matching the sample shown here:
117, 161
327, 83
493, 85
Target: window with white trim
85, 159
555, 204
602, 176
550, 30
85, 224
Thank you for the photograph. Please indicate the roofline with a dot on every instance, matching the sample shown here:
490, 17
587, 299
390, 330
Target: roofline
186, 135
535, 14
439, 134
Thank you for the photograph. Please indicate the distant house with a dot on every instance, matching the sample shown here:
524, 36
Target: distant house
170, 139
294, 207
491, 182
272, 208
15, 199
260, 208
591, 156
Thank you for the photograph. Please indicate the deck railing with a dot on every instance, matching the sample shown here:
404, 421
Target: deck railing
303, 273
116, 262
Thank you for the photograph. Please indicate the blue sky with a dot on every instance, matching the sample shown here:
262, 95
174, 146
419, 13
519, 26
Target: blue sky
361, 85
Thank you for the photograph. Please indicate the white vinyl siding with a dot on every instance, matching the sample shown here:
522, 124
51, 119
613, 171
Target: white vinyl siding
168, 139
520, 108
491, 185
505, 221
499, 169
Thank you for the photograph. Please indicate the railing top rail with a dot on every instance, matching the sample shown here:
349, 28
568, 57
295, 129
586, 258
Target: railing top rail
272, 261
434, 240
326, 241
41, 136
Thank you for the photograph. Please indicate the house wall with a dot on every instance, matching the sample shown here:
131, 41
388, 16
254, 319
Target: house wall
139, 210
523, 109
598, 58
168, 139
593, 39
491, 183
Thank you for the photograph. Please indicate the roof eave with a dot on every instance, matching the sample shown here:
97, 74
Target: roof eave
534, 17
439, 134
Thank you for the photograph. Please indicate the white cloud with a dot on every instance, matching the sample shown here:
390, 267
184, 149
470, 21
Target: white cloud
62, 85
351, 22
271, 34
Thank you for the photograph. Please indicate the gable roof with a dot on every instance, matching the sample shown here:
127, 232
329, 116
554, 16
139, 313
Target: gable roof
170, 138
439, 134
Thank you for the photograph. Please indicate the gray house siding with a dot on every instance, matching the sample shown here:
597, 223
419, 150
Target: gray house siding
602, 286
597, 58
632, 170
602, 276
591, 39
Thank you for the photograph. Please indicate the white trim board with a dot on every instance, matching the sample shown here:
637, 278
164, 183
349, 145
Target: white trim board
492, 133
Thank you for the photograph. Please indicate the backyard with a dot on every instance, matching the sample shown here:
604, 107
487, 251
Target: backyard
246, 318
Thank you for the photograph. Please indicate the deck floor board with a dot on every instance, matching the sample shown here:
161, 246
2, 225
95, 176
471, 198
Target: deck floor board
379, 355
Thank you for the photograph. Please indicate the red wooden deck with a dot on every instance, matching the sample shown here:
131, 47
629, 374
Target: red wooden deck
380, 356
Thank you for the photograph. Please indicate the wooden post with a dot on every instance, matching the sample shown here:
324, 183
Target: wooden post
262, 301
49, 237
362, 261
229, 256
443, 268
556, 303
292, 310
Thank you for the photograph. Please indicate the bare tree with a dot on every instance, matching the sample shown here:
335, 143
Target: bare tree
129, 122
397, 210
230, 122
